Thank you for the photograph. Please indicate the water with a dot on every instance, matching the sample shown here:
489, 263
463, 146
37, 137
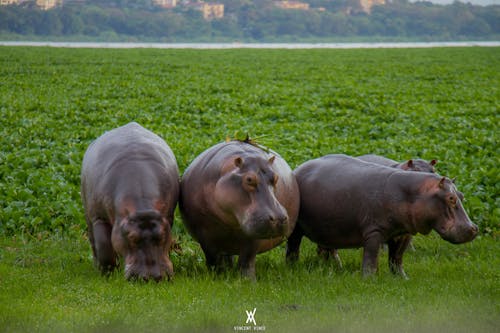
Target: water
252, 45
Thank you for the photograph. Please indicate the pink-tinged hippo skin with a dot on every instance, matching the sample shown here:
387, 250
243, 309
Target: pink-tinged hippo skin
237, 199
416, 164
130, 188
348, 203
409, 165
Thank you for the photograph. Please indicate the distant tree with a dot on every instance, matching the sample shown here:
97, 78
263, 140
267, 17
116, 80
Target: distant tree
48, 24
71, 21
336, 24
252, 20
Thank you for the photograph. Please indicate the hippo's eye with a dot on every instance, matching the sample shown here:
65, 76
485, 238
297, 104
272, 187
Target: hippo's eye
250, 180
452, 201
133, 237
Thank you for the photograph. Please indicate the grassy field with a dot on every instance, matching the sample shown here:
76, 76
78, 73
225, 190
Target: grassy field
401, 103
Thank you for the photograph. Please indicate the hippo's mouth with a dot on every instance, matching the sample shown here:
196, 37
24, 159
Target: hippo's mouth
142, 272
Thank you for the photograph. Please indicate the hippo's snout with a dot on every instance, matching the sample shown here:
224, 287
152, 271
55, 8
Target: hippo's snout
149, 269
474, 230
461, 235
266, 224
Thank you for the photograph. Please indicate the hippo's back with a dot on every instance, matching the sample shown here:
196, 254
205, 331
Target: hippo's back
378, 160
125, 158
340, 170
131, 141
206, 167
337, 182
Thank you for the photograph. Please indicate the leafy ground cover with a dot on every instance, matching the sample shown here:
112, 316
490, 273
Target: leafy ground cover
401, 103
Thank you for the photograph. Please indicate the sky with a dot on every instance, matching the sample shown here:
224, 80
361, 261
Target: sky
474, 2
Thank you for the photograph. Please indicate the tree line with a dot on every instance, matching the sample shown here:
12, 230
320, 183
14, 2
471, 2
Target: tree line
258, 20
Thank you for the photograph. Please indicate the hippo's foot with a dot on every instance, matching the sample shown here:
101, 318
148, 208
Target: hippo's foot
397, 269
248, 273
397, 247
292, 257
224, 262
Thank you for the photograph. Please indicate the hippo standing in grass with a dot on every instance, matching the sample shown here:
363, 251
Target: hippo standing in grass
130, 188
418, 165
348, 203
238, 199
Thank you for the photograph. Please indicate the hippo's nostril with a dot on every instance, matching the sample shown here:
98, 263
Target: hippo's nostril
283, 220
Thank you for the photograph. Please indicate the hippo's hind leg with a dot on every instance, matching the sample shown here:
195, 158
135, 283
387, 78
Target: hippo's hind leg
104, 254
293, 244
225, 262
326, 254
397, 247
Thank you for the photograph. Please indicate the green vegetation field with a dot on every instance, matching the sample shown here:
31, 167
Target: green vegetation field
438, 103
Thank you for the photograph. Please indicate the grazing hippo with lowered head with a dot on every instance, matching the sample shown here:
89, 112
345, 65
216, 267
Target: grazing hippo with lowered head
130, 188
349, 203
409, 165
237, 199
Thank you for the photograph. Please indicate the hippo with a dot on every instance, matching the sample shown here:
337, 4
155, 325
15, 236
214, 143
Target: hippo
409, 165
348, 203
238, 198
130, 188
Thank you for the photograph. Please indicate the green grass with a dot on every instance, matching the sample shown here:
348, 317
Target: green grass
51, 285
429, 103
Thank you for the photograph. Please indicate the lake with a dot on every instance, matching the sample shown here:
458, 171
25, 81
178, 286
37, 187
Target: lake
253, 45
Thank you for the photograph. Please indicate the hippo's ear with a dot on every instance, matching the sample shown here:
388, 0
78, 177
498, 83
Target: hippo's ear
409, 164
433, 162
453, 180
238, 161
271, 160
441, 182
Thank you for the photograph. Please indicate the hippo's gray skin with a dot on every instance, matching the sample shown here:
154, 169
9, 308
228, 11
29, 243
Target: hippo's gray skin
409, 165
130, 188
237, 199
348, 203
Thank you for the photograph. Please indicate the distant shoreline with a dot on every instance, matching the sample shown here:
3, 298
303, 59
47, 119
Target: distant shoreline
393, 45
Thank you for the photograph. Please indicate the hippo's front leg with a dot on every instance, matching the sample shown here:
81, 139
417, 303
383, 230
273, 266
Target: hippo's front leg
371, 250
397, 247
293, 244
104, 253
246, 261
